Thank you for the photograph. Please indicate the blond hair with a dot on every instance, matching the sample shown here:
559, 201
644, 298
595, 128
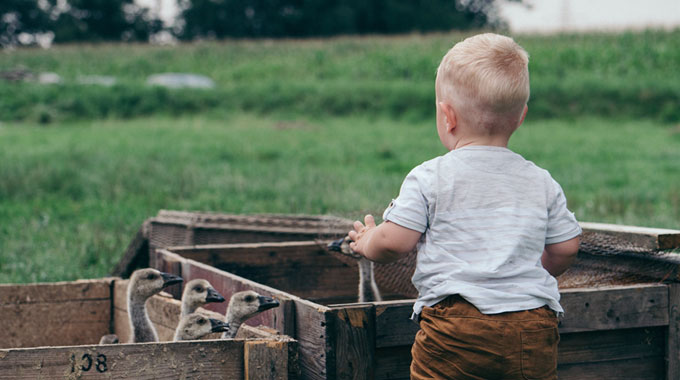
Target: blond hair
486, 80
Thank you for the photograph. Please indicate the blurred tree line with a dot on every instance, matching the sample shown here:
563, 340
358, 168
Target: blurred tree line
23, 21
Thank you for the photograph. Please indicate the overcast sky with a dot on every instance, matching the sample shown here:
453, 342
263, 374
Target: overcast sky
559, 15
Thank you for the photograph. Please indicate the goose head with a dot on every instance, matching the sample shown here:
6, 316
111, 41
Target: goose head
144, 283
109, 339
246, 304
342, 245
197, 293
195, 326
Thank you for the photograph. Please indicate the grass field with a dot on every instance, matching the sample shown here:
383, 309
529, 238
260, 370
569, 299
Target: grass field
72, 195
621, 75
316, 126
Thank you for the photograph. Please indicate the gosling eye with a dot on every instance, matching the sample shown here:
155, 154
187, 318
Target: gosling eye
249, 298
198, 289
151, 276
202, 321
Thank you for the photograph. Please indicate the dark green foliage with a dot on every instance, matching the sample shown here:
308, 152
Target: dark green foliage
75, 20
305, 18
20, 16
104, 20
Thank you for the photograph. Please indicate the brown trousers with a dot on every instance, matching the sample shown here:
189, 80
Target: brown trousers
456, 341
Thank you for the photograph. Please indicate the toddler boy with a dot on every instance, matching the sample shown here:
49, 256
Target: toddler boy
492, 229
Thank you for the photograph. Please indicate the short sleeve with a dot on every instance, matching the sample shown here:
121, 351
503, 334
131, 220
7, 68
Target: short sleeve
410, 208
562, 224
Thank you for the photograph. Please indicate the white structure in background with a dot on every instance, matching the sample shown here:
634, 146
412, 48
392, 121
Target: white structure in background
180, 80
549, 16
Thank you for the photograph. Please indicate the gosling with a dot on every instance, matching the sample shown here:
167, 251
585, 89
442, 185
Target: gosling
144, 283
243, 306
195, 326
197, 293
368, 288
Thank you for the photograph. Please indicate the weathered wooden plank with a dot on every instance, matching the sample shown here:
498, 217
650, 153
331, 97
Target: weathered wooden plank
673, 339
266, 360
614, 308
393, 363
312, 325
53, 292
281, 265
651, 239
353, 341
207, 359
393, 324
630, 369
611, 345
60, 323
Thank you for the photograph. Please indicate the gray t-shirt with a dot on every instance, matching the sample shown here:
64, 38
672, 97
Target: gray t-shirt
486, 214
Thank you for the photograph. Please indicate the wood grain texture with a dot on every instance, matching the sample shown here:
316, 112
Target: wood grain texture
303, 268
353, 341
614, 308
673, 339
205, 359
266, 360
646, 238
611, 345
393, 324
312, 324
61, 313
629, 369
54, 292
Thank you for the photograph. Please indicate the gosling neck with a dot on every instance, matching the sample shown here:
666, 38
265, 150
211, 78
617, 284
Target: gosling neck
142, 329
368, 288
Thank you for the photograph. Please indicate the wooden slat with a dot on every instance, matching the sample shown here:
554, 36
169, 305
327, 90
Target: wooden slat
55, 291
651, 239
280, 265
354, 341
611, 345
673, 339
312, 326
266, 360
393, 363
61, 313
614, 308
206, 359
47, 324
638, 369
393, 324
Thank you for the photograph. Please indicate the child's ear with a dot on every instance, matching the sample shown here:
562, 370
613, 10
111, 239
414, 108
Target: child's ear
449, 116
524, 114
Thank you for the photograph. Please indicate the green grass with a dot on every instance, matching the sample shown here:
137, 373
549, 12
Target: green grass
624, 74
72, 195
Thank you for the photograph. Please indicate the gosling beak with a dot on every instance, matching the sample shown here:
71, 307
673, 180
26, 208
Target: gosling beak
336, 245
170, 279
213, 296
218, 326
266, 303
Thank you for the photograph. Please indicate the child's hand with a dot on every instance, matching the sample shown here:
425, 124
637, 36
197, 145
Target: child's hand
362, 234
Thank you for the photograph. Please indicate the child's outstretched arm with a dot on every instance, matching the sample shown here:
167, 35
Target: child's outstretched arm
558, 257
384, 243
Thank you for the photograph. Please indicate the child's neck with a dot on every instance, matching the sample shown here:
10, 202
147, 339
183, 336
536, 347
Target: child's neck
489, 140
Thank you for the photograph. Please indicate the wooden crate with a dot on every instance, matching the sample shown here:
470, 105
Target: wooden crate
173, 228
51, 331
620, 330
